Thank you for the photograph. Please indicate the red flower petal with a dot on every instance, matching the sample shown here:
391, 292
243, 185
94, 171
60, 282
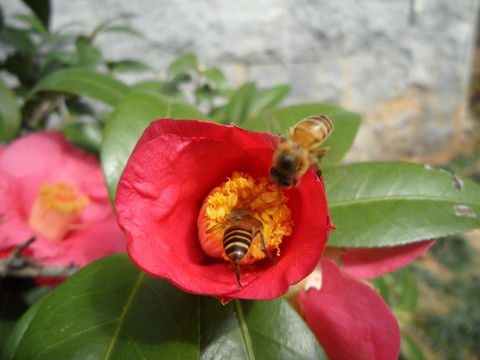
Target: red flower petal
349, 318
372, 262
175, 164
49, 157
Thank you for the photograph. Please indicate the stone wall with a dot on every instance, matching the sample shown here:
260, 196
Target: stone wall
404, 65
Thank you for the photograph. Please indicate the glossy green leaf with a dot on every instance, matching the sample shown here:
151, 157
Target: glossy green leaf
255, 330
112, 310
15, 336
341, 139
392, 203
84, 135
10, 117
84, 82
127, 123
269, 98
238, 108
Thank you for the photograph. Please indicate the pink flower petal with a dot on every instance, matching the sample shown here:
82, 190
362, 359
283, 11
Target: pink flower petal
48, 157
349, 318
368, 263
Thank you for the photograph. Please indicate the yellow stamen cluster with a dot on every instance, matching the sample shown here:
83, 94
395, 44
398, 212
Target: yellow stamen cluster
55, 209
262, 199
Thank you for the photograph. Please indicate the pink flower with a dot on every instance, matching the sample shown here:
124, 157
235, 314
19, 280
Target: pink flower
180, 174
349, 318
56, 192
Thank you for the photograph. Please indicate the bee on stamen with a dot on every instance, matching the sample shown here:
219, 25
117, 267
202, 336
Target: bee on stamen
240, 228
293, 156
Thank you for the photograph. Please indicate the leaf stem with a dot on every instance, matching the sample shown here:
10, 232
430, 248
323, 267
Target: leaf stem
244, 329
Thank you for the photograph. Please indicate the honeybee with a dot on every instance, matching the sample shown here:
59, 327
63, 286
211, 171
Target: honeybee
240, 228
292, 156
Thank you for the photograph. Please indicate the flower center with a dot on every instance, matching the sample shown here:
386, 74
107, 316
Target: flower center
55, 209
244, 205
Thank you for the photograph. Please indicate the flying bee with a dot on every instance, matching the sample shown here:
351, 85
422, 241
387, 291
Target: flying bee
240, 228
293, 156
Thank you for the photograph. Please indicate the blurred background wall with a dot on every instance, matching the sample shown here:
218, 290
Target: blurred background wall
405, 65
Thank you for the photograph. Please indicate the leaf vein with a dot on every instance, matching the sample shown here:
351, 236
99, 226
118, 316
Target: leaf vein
123, 315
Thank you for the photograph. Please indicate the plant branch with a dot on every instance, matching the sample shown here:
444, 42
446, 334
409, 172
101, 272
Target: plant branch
16, 265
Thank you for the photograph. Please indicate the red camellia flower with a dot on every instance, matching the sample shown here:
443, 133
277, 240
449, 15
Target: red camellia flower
188, 183
350, 319
56, 192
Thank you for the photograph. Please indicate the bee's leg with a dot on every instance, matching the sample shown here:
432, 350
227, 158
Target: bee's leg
320, 153
264, 248
237, 271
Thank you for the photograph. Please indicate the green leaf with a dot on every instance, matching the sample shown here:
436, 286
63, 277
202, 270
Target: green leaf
410, 350
269, 98
341, 139
10, 117
84, 135
183, 64
87, 55
159, 87
84, 82
245, 329
383, 288
179, 78
215, 78
112, 310
238, 108
124, 29
2, 21
205, 96
15, 336
19, 39
41, 8
127, 123
58, 58
392, 203
33, 21
409, 293
127, 66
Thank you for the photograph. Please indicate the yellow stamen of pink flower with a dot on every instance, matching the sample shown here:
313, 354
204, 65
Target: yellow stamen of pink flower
261, 198
55, 209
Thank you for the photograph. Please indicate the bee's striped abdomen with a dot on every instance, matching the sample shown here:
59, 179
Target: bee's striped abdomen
312, 131
236, 243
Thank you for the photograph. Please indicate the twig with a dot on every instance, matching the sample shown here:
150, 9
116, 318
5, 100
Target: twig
16, 265
51, 271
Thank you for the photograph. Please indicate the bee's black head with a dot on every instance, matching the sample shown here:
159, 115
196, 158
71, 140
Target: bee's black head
278, 178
